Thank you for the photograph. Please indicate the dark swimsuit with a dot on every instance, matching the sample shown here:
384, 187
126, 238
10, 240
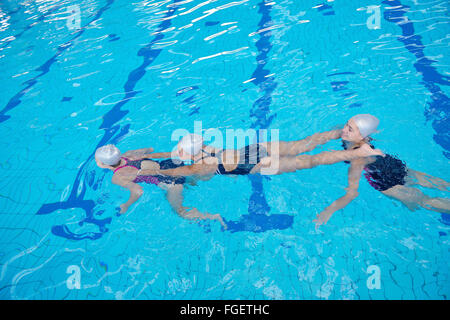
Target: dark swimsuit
385, 172
249, 156
157, 179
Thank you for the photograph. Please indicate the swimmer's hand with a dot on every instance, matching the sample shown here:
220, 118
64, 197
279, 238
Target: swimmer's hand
123, 208
266, 161
322, 218
194, 214
263, 163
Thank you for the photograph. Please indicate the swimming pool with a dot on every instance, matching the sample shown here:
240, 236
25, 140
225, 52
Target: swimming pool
80, 74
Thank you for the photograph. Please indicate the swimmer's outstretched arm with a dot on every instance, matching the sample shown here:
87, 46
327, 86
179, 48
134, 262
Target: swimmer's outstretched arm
293, 148
143, 153
354, 175
311, 142
158, 155
135, 192
277, 165
344, 155
191, 170
138, 152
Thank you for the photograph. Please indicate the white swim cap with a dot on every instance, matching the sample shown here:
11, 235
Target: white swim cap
367, 124
108, 154
191, 143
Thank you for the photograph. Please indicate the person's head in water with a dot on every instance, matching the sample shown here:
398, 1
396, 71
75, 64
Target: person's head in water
189, 146
360, 127
107, 156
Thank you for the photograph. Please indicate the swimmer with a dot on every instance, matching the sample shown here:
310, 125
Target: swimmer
386, 174
128, 169
280, 157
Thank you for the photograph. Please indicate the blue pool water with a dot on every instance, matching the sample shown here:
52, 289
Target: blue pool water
135, 71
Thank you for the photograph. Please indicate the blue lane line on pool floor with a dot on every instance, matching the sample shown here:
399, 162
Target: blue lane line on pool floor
326, 9
258, 218
45, 68
10, 13
31, 25
113, 133
439, 108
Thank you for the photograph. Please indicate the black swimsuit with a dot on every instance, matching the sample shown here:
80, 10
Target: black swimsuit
249, 156
385, 172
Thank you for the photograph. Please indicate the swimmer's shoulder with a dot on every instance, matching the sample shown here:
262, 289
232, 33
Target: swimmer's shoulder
368, 147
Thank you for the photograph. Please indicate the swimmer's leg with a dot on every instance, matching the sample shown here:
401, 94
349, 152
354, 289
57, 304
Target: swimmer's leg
174, 195
425, 180
293, 148
414, 198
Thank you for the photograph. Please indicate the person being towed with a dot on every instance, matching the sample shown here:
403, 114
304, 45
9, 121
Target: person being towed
128, 173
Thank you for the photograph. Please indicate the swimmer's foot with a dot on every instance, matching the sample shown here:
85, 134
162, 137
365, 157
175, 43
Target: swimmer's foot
194, 214
438, 183
219, 218
425, 180
441, 205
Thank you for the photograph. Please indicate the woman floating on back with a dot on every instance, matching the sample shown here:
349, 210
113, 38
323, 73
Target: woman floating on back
386, 174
